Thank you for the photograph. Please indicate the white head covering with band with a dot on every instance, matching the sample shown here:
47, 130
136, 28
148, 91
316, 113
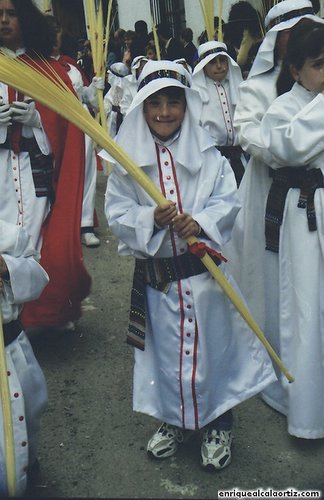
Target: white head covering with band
282, 16
116, 74
134, 134
206, 53
134, 67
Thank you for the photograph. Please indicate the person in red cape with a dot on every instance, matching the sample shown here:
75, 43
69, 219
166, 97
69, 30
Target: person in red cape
88, 95
43, 182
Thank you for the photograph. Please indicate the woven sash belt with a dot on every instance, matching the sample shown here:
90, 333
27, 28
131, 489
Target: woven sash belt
284, 179
157, 273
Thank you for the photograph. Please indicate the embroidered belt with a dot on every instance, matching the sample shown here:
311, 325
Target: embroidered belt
233, 154
157, 273
11, 331
284, 179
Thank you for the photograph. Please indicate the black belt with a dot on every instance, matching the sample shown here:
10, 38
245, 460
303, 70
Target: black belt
233, 154
24, 144
230, 151
284, 179
11, 331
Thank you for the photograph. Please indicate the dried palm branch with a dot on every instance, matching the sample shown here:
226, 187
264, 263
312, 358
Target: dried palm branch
9, 444
50, 92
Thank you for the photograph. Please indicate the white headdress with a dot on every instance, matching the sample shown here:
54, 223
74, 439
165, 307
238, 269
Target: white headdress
134, 134
282, 16
134, 67
116, 73
206, 53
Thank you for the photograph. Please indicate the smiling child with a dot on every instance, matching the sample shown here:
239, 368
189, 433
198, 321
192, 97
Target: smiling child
195, 357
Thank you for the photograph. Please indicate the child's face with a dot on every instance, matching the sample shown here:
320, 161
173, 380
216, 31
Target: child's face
217, 68
151, 54
164, 114
311, 75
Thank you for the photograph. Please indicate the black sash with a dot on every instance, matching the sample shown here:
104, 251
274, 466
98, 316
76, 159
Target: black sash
284, 179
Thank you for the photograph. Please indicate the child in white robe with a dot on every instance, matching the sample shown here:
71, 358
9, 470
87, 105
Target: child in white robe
130, 83
21, 279
200, 358
292, 131
257, 272
217, 77
116, 79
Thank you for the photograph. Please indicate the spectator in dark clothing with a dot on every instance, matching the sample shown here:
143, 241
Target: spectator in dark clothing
172, 47
243, 30
86, 62
115, 44
127, 48
189, 49
316, 6
141, 40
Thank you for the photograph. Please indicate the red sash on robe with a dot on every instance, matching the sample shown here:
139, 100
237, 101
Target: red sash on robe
61, 252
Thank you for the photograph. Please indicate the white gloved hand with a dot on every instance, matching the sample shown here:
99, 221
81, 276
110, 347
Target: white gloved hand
98, 82
5, 115
26, 113
90, 94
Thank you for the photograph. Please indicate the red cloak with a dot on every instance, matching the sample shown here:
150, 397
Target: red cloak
61, 252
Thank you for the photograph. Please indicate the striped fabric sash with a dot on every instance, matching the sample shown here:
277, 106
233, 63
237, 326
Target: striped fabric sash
284, 179
157, 273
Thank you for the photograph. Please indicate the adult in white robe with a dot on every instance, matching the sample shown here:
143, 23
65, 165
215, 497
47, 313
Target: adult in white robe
27, 386
200, 358
116, 77
131, 83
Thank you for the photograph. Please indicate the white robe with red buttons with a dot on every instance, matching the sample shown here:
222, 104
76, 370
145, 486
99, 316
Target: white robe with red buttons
27, 386
200, 358
18, 201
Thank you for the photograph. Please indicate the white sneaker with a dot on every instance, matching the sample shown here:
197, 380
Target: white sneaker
90, 240
216, 449
164, 442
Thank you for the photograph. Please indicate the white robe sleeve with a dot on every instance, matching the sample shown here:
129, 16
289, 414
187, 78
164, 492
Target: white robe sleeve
132, 222
255, 96
216, 217
293, 135
27, 277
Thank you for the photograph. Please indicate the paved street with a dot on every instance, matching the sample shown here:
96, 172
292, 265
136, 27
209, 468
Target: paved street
93, 445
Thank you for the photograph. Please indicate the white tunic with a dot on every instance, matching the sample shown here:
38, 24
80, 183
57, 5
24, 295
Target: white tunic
27, 386
217, 113
255, 96
200, 358
19, 203
292, 130
266, 280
